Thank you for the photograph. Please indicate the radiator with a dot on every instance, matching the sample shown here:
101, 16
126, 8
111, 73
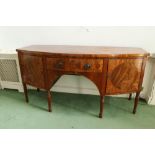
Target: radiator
9, 71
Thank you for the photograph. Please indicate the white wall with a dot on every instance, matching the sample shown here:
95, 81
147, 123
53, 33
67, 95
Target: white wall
15, 37
144, 37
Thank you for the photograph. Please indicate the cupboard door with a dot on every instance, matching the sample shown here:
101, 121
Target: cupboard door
123, 75
32, 70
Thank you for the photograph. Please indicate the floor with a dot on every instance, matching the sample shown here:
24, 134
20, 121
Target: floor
71, 111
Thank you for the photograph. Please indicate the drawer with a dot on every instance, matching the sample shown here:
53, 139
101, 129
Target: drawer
75, 64
56, 63
85, 65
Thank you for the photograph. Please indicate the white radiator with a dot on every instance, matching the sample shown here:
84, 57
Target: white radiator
9, 70
151, 99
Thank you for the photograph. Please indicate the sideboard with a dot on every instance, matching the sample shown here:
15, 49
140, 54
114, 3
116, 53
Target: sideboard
114, 70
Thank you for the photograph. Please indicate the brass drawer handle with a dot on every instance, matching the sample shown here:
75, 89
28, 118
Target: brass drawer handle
87, 66
60, 65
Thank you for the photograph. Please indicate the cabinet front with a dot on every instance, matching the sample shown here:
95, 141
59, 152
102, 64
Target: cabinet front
123, 75
32, 70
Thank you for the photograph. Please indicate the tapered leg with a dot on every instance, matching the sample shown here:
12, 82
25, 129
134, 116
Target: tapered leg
25, 92
49, 100
38, 89
101, 106
130, 95
136, 102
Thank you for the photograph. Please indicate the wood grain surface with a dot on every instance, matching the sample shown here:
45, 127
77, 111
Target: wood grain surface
114, 70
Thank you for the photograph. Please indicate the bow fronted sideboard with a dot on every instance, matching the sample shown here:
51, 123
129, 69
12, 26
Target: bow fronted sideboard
114, 70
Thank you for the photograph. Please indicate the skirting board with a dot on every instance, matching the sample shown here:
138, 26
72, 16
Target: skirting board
67, 89
11, 85
75, 90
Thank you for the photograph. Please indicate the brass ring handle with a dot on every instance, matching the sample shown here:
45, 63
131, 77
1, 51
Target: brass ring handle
87, 66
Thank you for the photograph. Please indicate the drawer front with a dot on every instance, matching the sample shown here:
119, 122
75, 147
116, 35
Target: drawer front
86, 65
123, 75
74, 64
57, 63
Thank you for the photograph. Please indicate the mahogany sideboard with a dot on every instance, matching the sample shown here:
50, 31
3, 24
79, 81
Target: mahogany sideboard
114, 70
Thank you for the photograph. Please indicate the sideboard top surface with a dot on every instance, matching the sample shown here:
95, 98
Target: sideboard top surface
96, 51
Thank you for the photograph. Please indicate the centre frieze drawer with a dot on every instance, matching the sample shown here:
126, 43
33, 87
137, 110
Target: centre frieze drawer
75, 64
